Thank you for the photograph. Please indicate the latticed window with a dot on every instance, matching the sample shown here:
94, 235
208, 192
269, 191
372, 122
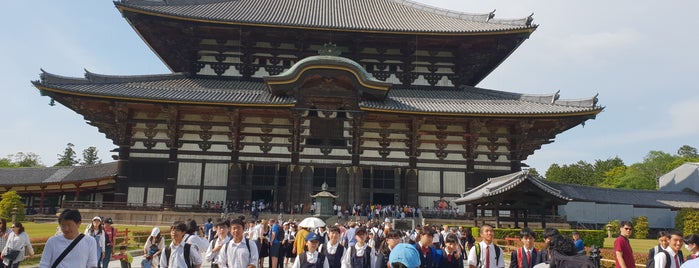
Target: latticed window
263, 175
327, 175
326, 131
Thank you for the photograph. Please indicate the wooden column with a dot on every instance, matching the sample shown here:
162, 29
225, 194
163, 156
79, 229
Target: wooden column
121, 181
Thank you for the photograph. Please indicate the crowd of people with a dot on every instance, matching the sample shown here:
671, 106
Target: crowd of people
280, 243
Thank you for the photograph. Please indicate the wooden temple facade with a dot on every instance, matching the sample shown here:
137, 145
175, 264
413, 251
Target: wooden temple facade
269, 100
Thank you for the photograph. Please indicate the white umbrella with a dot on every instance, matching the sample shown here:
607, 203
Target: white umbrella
312, 222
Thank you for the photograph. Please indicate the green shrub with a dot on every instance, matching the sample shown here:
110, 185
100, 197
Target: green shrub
679, 219
614, 226
691, 222
640, 226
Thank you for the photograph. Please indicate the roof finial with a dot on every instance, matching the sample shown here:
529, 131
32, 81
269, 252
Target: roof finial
329, 49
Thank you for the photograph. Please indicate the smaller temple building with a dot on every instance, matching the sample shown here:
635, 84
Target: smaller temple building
522, 198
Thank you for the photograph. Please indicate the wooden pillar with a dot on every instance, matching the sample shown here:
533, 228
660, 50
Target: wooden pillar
516, 212
233, 192
121, 181
543, 218
411, 179
77, 191
41, 200
171, 179
526, 217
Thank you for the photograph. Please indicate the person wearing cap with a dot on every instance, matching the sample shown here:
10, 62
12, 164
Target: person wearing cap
96, 231
359, 255
110, 233
404, 256
151, 250
311, 258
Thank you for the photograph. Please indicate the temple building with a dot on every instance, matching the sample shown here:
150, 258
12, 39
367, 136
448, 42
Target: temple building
269, 100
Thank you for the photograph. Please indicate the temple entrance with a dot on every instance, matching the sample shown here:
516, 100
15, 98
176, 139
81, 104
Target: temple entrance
383, 198
262, 195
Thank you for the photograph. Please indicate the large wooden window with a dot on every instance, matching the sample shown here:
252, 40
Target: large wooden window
327, 175
263, 175
326, 131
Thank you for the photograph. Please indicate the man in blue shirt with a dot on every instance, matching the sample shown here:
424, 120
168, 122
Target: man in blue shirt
579, 245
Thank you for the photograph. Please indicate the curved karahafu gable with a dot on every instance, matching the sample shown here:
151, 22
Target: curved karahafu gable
313, 70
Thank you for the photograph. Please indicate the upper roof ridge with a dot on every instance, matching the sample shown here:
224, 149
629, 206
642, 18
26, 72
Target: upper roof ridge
106, 79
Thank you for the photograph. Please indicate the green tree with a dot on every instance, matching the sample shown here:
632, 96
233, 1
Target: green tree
10, 201
640, 227
68, 158
90, 156
687, 151
581, 173
27, 160
7, 163
691, 222
601, 167
679, 218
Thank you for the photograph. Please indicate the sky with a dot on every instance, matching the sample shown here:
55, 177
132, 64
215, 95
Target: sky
640, 56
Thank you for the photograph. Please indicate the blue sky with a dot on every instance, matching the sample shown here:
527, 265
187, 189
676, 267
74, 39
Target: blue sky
640, 56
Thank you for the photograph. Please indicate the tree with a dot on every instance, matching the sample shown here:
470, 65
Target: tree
68, 158
21, 160
28, 160
687, 151
640, 227
581, 173
90, 156
10, 201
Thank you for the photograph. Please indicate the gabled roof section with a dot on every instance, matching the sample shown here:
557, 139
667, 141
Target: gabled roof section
178, 88
499, 185
685, 177
396, 16
56, 175
287, 82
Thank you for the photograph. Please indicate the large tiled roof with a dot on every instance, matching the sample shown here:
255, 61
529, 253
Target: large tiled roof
499, 185
55, 175
175, 88
364, 15
579, 193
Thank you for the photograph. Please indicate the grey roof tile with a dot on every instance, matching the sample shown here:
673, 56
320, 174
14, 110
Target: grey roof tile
364, 15
580, 193
55, 175
177, 88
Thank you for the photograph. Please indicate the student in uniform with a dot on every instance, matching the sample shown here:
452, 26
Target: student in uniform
526, 256
178, 253
311, 258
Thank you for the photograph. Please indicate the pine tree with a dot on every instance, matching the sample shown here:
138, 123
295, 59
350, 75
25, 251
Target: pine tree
68, 158
90, 156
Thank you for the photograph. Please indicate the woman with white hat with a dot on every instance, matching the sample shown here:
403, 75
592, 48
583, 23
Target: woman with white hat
151, 250
96, 231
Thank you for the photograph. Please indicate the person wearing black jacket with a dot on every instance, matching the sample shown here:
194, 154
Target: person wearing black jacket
454, 257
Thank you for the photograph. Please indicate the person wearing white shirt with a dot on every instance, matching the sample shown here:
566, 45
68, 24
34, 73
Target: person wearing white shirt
358, 255
96, 231
17, 240
192, 236
311, 257
487, 258
69, 221
223, 234
333, 250
239, 252
174, 255
676, 241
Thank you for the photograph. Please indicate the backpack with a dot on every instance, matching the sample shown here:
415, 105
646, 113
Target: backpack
247, 244
478, 254
319, 263
576, 261
668, 259
651, 259
187, 248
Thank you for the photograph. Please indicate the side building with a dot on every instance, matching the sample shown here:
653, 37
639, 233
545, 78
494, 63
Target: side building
269, 100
